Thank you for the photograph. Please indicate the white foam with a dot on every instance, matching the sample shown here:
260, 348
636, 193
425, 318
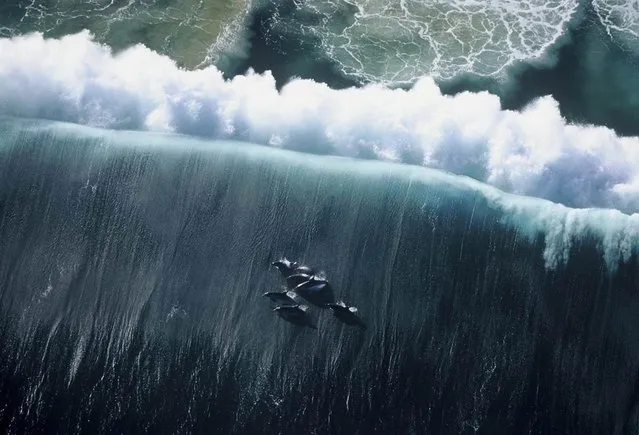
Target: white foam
620, 18
395, 41
561, 227
533, 152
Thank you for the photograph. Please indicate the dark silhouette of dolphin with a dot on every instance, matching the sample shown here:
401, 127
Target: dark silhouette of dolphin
294, 280
285, 267
295, 314
316, 291
346, 314
288, 268
282, 297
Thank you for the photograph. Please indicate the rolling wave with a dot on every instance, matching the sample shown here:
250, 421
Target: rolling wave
533, 152
133, 264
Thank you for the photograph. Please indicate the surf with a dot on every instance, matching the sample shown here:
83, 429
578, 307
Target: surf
533, 152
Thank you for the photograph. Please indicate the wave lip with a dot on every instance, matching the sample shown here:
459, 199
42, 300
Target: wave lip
561, 230
533, 152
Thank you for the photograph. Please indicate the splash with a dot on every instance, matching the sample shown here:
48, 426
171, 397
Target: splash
534, 152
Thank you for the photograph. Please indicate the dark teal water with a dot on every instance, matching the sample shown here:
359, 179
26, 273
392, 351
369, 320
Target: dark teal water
132, 264
132, 267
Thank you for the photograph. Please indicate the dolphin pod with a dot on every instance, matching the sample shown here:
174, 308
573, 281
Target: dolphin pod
302, 281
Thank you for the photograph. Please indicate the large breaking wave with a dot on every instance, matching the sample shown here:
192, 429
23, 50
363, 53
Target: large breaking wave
534, 152
131, 268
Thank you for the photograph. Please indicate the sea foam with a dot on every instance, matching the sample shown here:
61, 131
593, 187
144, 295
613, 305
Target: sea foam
534, 152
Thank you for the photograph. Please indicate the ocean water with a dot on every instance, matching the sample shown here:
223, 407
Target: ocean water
192, 32
466, 176
394, 42
134, 266
591, 69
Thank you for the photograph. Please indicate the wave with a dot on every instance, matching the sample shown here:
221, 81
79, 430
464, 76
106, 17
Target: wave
533, 152
133, 264
561, 228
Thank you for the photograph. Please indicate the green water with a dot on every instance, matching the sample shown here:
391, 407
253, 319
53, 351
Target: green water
192, 32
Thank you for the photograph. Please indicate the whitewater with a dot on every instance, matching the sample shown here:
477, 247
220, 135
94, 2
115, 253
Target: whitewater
534, 152
492, 253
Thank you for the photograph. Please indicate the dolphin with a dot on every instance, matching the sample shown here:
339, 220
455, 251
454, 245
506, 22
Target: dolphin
282, 297
346, 314
316, 291
288, 268
295, 314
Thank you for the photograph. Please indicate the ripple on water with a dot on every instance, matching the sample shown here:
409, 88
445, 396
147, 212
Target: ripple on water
620, 19
396, 41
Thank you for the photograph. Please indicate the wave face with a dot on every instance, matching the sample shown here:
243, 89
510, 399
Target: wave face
192, 32
120, 314
533, 152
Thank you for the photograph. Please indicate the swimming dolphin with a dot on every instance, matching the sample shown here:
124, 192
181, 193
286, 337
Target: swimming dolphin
288, 268
285, 267
294, 280
282, 297
304, 269
295, 314
317, 291
346, 314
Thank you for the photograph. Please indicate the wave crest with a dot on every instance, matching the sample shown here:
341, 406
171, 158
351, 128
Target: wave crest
533, 152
